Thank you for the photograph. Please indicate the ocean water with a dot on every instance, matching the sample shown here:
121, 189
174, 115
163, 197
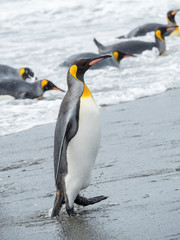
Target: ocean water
42, 34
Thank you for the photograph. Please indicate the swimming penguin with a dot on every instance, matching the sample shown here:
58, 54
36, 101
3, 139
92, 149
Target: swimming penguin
137, 47
114, 61
7, 72
76, 141
21, 90
150, 27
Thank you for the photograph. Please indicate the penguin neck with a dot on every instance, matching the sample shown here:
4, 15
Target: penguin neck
160, 43
37, 89
75, 86
86, 92
176, 32
171, 22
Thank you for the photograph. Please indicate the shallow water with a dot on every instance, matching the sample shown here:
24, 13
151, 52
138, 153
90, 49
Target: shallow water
137, 167
43, 34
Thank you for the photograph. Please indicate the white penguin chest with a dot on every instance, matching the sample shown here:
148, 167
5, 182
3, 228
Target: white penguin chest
83, 148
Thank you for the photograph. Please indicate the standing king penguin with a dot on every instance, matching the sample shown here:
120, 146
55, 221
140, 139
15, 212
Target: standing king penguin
76, 140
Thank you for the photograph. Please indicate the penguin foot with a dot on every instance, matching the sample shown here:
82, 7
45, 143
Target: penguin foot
71, 212
88, 201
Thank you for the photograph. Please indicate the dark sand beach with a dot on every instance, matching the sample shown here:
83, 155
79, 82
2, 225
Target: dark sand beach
138, 167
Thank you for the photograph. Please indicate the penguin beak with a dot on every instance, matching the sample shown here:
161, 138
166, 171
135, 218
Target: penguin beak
171, 28
34, 79
59, 89
174, 12
129, 55
95, 60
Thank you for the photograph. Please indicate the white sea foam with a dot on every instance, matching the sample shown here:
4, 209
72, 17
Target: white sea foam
41, 34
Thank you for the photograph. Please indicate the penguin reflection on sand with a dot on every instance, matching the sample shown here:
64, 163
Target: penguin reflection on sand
76, 141
150, 27
7, 72
136, 46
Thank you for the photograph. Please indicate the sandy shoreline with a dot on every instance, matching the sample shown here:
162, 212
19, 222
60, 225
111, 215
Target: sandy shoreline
137, 167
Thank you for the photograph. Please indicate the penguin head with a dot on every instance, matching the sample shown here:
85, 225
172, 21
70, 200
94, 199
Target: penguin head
80, 66
48, 85
26, 73
160, 33
120, 55
164, 31
171, 16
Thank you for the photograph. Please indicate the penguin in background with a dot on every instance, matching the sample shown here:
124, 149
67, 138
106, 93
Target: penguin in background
117, 57
22, 90
150, 27
76, 140
7, 72
136, 46
171, 21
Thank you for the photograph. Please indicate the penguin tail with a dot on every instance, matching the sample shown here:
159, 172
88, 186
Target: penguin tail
88, 201
99, 45
59, 201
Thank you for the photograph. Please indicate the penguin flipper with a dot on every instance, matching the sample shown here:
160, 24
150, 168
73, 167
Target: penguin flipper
59, 200
65, 129
88, 201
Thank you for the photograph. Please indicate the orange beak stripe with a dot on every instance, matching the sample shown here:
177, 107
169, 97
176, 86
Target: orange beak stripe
125, 56
170, 28
173, 13
55, 88
95, 61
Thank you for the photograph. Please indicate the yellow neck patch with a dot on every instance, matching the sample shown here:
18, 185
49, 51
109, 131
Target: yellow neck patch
44, 83
176, 32
21, 71
73, 71
158, 35
116, 55
86, 92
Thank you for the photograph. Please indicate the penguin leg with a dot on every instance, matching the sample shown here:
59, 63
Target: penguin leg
72, 190
88, 201
59, 201
70, 209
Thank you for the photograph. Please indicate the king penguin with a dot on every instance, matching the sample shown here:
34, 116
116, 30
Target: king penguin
22, 90
136, 46
117, 56
150, 27
76, 140
7, 72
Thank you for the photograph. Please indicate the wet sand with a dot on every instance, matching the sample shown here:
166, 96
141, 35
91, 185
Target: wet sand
138, 167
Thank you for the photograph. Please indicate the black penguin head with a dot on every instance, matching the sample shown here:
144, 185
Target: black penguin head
79, 67
48, 85
26, 73
171, 16
164, 31
120, 55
